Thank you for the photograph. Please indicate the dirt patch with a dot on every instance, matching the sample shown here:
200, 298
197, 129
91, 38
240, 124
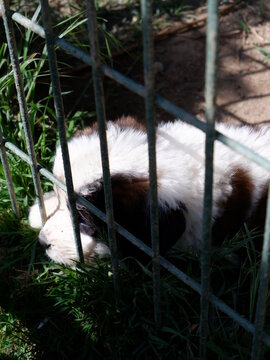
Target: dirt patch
244, 69
243, 92
244, 66
243, 89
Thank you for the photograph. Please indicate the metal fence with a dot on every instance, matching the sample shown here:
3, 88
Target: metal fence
151, 100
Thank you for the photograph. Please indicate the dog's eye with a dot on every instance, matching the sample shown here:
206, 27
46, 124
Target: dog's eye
87, 229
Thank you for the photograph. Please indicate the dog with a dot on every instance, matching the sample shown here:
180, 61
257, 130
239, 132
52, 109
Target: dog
239, 188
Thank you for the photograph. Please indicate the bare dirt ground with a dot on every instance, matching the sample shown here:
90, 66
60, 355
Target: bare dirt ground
243, 89
243, 75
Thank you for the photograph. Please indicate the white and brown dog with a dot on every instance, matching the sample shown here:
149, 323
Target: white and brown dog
239, 193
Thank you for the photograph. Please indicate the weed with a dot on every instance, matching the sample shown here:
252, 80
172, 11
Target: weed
264, 52
243, 24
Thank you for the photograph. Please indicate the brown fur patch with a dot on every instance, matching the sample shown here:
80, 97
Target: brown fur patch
235, 208
130, 122
129, 189
124, 122
87, 131
131, 210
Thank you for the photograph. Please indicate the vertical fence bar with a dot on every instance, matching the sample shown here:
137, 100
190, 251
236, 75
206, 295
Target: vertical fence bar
59, 109
149, 80
210, 98
263, 288
10, 186
101, 117
22, 103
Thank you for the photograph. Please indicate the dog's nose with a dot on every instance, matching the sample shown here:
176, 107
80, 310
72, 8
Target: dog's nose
44, 244
43, 241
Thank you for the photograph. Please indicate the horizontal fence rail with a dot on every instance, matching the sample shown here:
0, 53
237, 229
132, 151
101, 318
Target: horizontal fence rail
151, 98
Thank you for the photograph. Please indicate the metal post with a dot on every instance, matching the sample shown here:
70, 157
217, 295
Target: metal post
149, 80
101, 117
59, 109
210, 97
263, 289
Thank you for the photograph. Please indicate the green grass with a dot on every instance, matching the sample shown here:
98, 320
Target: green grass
52, 311
43, 125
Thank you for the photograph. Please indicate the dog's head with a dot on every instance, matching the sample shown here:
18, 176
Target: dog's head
57, 237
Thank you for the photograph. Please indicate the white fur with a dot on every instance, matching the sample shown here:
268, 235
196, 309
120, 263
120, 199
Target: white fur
51, 205
58, 232
180, 167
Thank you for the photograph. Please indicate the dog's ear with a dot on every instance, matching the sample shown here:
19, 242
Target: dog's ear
51, 205
132, 211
